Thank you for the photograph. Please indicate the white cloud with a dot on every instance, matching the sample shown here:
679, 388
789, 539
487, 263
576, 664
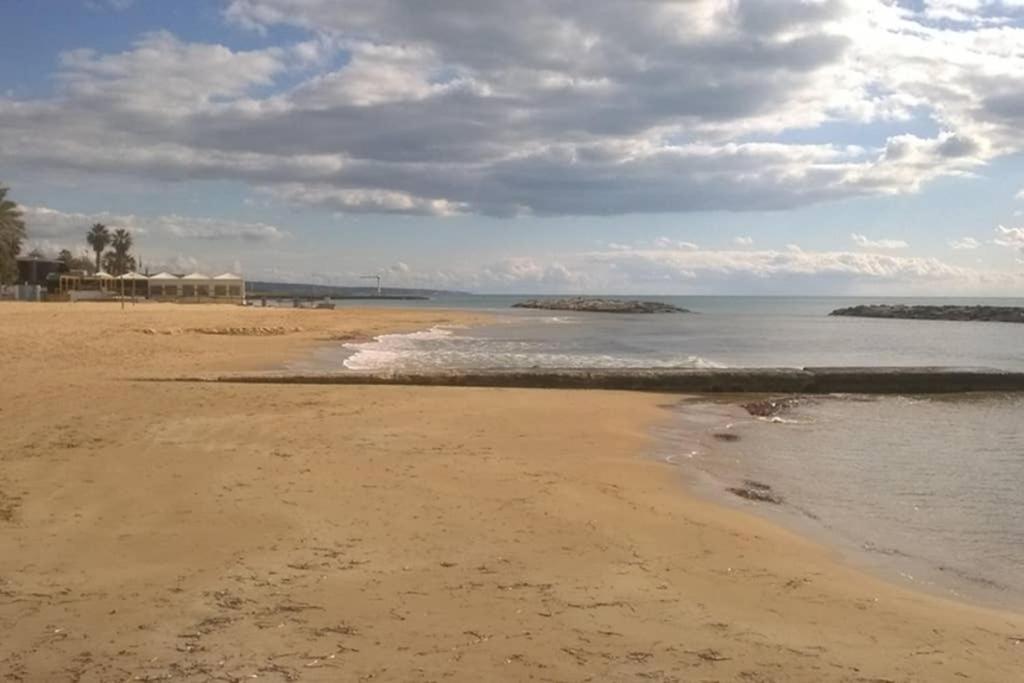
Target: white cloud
1010, 237
365, 201
654, 270
964, 243
793, 270
865, 243
547, 107
70, 227
1019, 195
668, 243
743, 241
113, 5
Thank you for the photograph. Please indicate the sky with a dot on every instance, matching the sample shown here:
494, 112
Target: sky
824, 147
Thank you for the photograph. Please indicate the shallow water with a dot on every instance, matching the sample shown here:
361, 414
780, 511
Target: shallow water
723, 331
930, 492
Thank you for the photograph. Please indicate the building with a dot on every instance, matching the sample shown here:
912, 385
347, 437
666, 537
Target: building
34, 270
191, 288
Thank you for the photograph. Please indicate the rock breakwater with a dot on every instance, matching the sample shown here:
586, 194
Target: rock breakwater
599, 305
1002, 314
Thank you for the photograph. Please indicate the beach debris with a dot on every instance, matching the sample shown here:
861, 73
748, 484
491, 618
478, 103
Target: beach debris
756, 491
771, 407
245, 331
726, 436
710, 655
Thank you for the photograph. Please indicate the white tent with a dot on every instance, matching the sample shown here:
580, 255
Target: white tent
164, 285
229, 285
104, 275
197, 286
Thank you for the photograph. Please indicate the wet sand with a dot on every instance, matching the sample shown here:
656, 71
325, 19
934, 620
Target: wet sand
195, 532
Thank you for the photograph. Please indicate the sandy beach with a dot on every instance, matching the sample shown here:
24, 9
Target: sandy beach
172, 531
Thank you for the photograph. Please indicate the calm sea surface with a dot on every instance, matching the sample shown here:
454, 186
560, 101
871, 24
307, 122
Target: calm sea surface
723, 331
925, 491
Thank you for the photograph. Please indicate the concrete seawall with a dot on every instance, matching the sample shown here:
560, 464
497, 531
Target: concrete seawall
885, 380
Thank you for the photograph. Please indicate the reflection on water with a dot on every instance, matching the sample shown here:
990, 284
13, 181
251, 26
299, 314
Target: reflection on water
929, 491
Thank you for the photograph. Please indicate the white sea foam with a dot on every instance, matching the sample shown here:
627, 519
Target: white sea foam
440, 347
390, 350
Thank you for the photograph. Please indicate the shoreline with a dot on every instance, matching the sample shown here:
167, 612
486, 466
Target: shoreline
710, 479
397, 532
713, 487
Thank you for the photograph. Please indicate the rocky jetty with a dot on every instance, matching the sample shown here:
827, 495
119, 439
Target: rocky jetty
597, 305
1001, 314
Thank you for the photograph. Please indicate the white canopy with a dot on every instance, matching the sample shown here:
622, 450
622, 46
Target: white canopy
227, 276
131, 276
196, 276
104, 275
164, 276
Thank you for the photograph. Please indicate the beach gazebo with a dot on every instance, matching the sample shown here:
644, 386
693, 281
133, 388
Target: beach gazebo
229, 286
196, 286
133, 283
105, 279
164, 286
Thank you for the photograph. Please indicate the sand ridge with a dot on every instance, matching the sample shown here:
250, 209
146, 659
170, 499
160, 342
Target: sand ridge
234, 532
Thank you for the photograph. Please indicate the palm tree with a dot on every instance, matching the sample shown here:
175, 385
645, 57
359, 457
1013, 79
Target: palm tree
99, 239
122, 244
12, 232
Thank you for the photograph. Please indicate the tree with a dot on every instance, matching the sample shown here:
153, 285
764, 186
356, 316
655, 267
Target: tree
116, 265
12, 232
98, 238
71, 262
122, 245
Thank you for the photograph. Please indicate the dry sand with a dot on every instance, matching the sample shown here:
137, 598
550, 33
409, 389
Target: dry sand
219, 532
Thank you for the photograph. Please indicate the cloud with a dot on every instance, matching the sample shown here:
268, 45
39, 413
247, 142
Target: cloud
217, 229
668, 243
743, 241
109, 5
548, 107
1010, 237
865, 243
1019, 195
70, 227
653, 270
791, 270
365, 201
964, 243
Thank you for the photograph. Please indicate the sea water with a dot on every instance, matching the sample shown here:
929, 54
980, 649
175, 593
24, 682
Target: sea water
928, 491
721, 332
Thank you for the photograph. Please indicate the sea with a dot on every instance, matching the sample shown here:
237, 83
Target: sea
924, 491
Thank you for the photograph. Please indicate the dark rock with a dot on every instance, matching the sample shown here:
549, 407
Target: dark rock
757, 492
770, 407
596, 305
1002, 314
726, 436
